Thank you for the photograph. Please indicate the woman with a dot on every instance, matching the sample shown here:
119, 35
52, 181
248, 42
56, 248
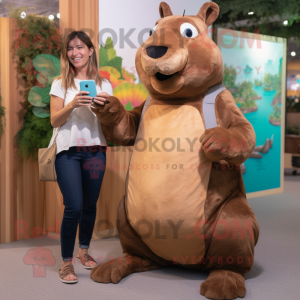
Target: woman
81, 145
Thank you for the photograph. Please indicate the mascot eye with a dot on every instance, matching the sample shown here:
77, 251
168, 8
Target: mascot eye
188, 30
152, 30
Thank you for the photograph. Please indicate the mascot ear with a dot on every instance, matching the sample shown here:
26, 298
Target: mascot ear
165, 10
209, 12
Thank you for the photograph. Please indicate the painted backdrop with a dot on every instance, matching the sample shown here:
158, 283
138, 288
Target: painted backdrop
254, 72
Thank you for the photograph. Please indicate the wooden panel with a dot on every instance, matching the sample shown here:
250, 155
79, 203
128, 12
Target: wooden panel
80, 15
11, 87
292, 144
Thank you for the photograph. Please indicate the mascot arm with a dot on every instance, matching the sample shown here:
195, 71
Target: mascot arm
234, 139
118, 125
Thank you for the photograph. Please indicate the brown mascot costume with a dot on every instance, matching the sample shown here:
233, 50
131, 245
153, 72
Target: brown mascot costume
185, 201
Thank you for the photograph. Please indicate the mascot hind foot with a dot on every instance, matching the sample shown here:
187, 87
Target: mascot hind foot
114, 271
223, 284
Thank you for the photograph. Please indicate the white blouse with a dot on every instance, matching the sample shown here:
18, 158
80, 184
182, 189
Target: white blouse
83, 127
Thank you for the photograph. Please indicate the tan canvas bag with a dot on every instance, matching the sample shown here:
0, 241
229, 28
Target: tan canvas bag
46, 158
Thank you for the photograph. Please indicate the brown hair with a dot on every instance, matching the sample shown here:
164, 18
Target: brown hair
67, 70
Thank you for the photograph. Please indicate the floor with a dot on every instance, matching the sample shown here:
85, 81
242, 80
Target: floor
274, 276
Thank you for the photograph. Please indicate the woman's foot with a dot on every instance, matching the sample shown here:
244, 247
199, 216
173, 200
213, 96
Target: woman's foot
86, 259
66, 273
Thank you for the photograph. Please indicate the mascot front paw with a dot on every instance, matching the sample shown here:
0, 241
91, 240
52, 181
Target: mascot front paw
111, 271
107, 112
216, 143
223, 284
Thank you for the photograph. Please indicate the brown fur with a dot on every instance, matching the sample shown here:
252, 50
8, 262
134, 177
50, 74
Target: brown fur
230, 229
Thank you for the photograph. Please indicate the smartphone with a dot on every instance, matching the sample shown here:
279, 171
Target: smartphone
89, 86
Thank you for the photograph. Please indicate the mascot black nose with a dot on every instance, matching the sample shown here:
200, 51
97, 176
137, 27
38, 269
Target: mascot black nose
156, 51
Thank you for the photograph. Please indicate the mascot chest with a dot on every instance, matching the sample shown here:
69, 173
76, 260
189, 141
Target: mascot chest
167, 181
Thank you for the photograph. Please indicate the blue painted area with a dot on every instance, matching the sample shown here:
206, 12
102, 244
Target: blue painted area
264, 173
255, 62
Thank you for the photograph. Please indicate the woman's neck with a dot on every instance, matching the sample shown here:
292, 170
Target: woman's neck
81, 73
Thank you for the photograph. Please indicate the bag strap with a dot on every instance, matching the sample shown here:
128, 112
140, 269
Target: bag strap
56, 134
209, 105
144, 109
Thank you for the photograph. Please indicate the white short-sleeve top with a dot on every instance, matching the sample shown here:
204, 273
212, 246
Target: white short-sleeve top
83, 127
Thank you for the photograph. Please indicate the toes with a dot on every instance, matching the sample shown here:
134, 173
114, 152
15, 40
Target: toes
116, 275
101, 273
240, 282
70, 277
223, 284
203, 288
230, 288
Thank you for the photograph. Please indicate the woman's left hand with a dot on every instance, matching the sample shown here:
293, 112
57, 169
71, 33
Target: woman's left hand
101, 98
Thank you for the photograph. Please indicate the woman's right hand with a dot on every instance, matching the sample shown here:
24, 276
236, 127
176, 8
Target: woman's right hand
81, 99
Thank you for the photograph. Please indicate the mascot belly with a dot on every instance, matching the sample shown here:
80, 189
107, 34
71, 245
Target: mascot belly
167, 177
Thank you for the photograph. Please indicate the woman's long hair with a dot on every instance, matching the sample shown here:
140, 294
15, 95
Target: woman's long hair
67, 70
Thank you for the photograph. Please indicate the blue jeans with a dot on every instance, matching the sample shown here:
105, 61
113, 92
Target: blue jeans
80, 172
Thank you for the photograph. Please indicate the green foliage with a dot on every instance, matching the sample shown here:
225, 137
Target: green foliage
292, 129
272, 82
245, 94
108, 57
234, 10
276, 114
2, 117
248, 104
229, 77
36, 133
293, 104
257, 82
37, 47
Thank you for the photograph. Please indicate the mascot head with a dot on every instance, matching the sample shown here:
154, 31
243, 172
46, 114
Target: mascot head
179, 60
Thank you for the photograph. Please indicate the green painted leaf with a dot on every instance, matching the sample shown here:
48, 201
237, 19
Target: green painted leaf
41, 112
111, 52
46, 97
42, 79
103, 57
39, 96
116, 63
128, 106
48, 65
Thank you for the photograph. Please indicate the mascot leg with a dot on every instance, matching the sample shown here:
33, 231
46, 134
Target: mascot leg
231, 250
138, 257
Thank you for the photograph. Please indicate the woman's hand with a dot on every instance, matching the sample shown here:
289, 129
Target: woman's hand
81, 99
101, 98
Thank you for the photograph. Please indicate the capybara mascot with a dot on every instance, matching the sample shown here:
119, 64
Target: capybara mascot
185, 201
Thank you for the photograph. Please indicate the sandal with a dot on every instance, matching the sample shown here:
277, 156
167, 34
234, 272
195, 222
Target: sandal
84, 259
68, 269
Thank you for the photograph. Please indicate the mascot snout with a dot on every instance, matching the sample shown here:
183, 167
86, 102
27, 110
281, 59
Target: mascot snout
163, 65
174, 60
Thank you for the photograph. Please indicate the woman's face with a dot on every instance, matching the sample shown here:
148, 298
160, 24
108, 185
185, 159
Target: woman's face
78, 53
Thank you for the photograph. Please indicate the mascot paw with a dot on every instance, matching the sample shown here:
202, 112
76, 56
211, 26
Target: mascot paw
223, 284
216, 142
111, 271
